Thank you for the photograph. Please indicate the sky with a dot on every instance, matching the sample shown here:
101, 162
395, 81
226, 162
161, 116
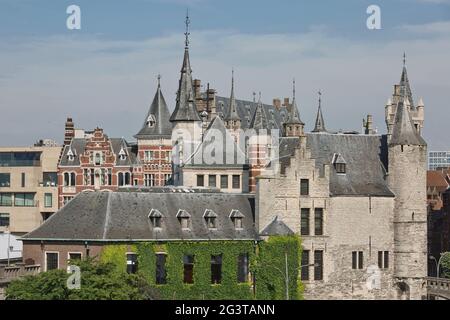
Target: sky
105, 73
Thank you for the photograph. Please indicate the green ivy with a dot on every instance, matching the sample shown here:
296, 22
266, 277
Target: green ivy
269, 284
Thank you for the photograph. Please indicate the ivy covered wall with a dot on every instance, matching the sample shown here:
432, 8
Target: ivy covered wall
269, 283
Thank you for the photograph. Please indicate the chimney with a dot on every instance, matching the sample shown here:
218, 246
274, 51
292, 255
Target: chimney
211, 102
69, 131
277, 103
369, 125
197, 86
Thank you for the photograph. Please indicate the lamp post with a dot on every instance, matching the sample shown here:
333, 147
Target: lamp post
285, 273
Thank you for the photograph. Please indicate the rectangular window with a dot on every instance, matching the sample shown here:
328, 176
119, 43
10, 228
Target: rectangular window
224, 182
304, 221
161, 268
318, 221
167, 178
51, 260
200, 180
383, 259
4, 219
242, 272
188, 262
304, 187
48, 200
216, 269
236, 181
74, 256
5, 199
5, 180
132, 263
50, 179
357, 260
109, 177
212, 180
24, 199
318, 265
23, 180
168, 156
305, 265
67, 199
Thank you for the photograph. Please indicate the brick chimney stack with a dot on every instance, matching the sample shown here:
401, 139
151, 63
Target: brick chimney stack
69, 131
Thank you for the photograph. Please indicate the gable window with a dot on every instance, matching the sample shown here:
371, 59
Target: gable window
184, 218
216, 269
304, 187
200, 180
132, 262
155, 218
51, 260
151, 121
318, 265
305, 265
383, 259
188, 269
304, 221
224, 181
5, 180
4, 219
161, 268
318, 221
242, 272
340, 167
122, 154
357, 260
98, 159
236, 216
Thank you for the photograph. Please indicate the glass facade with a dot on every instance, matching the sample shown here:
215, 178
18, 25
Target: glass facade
438, 159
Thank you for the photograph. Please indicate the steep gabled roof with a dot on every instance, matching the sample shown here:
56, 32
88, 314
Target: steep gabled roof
276, 228
160, 115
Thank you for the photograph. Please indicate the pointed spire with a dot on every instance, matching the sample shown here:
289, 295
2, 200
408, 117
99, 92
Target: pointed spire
187, 33
185, 108
404, 83
293, 117
320, 124
259, 120
404, 132
156, 123
232, 110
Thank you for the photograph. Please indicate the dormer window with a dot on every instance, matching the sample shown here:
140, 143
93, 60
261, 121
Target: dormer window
339, 163
210, 218
155, 217
236, 217
184, 218
151, 121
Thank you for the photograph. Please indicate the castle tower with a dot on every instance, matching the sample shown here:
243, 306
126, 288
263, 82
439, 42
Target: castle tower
293, 127
187, 124
407, 179
155, 144
232, 119
416, 112
319, 126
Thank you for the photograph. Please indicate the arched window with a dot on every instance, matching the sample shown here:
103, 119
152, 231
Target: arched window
66, 179
151, 121
121, 179
72, 179
98, 159
127, 178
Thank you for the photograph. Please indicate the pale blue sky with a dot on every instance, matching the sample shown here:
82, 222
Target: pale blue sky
104, 74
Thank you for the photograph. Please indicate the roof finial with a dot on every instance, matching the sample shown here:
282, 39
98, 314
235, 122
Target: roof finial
293, 88
159, 80
188, 22
232, 78
404, 59
320, 97
259, 96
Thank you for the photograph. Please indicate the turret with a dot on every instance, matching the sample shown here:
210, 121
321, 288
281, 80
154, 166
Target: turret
319, 126
294, 127
232, 119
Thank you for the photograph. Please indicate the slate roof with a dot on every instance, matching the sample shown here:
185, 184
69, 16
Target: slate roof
78, 146
162, 127
365, 156
121, 216
261, 120
276, 228
319, 125
215, 140
404, 132
232, 113
404, 83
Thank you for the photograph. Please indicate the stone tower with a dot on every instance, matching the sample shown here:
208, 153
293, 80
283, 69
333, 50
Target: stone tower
407, 179
187, 124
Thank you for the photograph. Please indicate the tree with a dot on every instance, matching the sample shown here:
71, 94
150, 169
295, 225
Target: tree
445, 265
99, 281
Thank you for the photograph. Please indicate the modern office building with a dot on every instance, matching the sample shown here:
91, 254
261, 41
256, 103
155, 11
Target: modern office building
438, 159
28, 186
